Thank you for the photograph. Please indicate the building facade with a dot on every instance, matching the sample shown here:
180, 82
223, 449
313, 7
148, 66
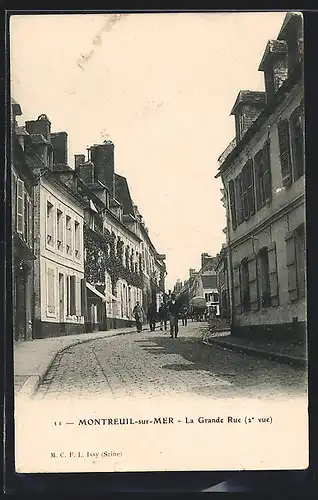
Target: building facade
22, 185
94, 256
130, 270
262, 172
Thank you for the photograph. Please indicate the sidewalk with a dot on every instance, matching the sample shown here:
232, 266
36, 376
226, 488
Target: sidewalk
284, 352
32, 359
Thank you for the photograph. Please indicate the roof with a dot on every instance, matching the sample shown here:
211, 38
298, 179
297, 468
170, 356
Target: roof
273, 48
291, 18
249, 97
209, 281
16, 108
123, 194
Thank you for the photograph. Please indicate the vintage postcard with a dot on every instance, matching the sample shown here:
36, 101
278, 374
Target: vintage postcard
158, 241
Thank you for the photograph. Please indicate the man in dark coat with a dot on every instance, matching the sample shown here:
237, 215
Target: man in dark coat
174, 309
152, 316
163, 316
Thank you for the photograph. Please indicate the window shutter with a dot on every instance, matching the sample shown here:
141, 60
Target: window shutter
72, 295
267, 170
257, 170
20, 207
78, 296
14, 201
238, 198
83, 297
245, 208
273, 276
291, 266
237, 288
252, 282
284, 148
30, 225
250, 187
50, 291
232, 204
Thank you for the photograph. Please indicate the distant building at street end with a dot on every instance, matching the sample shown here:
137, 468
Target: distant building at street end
202, 283
264, 191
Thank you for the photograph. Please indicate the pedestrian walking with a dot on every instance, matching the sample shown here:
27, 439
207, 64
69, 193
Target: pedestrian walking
139, 315
152, 316
173, 308
163, 316
184, 316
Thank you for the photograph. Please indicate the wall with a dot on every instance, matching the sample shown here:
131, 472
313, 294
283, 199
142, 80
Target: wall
57, 260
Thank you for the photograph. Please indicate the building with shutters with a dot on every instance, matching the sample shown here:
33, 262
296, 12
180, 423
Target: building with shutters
122, 266
262, 172
58, 236
22, 184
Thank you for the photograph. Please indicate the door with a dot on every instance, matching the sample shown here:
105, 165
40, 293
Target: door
61, 298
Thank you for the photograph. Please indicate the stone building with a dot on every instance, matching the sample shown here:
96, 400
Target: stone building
22, 185
262, 172
58, 236
130, 268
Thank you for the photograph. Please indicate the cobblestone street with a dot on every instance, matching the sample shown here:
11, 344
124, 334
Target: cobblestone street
152, 364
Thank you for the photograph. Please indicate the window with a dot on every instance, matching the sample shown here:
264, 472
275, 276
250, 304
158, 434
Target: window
208, 297
68, 234
77, 239
50, 291
295, 261
71, 295
215, 297
284, 150
232, 204
59, 225
297, 138
263, 274
49, 223
92, 222
245, 286
263, 176
20, 208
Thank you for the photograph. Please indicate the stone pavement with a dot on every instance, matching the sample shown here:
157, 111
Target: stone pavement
152, 365
285, 352
32, 359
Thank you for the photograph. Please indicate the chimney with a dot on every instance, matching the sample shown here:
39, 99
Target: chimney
40, 126
79, 160
59, 143
274, 64
248, 105
102, 155
85, 170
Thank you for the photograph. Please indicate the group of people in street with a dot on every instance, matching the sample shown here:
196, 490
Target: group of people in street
168, 311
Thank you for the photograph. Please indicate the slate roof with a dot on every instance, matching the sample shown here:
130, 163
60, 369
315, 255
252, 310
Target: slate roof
122, 194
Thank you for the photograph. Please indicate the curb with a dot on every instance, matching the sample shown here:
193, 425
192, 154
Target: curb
32, 383
282, 358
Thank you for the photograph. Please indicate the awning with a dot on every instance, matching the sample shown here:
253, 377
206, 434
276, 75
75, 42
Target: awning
99, 294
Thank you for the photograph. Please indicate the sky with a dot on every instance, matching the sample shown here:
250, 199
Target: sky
161, 87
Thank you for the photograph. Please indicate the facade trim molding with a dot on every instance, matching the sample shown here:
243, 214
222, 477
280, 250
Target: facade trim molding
269, 220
